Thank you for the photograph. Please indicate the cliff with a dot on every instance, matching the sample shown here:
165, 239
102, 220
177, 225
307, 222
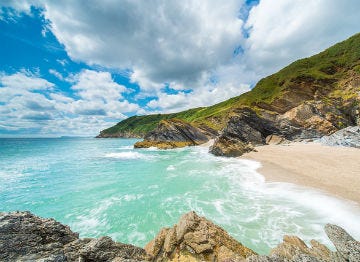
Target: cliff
311, 97
26, 237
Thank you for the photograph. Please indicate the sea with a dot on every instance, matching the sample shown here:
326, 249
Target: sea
105, 187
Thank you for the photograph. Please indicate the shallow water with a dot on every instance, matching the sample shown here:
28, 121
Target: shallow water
105, 187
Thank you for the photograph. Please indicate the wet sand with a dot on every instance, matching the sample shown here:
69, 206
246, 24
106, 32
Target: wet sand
335, 170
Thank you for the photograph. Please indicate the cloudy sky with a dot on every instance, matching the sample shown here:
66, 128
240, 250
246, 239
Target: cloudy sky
75, 67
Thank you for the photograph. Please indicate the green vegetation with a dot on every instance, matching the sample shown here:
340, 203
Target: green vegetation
325, 70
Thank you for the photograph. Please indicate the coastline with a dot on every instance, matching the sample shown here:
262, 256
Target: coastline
335, 170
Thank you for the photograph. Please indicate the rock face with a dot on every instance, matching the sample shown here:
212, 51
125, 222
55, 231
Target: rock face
25, 237
195, 238
173, 133
349, 136
247, 128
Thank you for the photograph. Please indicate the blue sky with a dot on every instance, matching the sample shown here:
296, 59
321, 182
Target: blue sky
74, 68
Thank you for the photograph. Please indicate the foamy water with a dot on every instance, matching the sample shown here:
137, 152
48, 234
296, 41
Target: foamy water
104, 187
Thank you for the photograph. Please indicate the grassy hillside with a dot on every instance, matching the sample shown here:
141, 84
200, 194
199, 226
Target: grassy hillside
326, 72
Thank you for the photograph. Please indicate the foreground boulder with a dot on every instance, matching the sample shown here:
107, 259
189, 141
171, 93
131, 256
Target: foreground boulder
26, 237
195, 238
173, 133
349, 136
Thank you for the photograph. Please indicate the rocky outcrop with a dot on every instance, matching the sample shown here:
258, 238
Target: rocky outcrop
195, 238
230, 147
173, 133
25, 237
247, 128
120, 134
349, 136
347, 247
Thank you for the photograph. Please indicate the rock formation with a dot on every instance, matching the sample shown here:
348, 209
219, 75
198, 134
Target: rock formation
349, 136
195, 238
247, 128
26, 237
173, 133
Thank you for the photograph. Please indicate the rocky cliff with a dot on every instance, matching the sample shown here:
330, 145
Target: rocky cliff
309, 98
26, 237
173, 133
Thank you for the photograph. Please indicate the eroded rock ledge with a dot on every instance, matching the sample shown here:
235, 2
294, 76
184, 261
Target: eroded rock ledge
26, 237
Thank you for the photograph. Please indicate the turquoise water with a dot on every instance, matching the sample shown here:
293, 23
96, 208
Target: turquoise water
105, 187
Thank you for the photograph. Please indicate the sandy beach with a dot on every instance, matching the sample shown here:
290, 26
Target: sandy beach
335, 170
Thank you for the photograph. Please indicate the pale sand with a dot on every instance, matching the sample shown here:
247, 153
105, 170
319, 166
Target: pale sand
335, 170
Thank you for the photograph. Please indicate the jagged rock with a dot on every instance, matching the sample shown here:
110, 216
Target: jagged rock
345, 244
26, 237
294, 249
276, 140
246, 128
23, 235
195, 238
173, 133
349, 136
310, 115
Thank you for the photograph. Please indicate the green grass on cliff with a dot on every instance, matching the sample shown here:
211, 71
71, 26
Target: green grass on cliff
329, 66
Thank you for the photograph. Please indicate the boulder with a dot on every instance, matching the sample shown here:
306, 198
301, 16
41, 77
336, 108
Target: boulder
230, 147
26, 237
294, 249
173, 133
195, 238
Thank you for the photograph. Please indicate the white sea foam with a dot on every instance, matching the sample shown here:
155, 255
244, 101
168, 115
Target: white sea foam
170, 168
126, 147
265, 211
128, 155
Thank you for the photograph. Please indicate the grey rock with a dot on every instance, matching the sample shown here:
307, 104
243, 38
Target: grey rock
349, 137
345, 244
26, 237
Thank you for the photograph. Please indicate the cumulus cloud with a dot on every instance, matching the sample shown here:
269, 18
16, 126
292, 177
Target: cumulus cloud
288, 30
161, 41
30, 102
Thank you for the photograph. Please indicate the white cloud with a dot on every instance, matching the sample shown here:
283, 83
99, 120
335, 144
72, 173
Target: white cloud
209, 94
24, 80
288, 30
29, 102
93, 85
162, 41
57, 74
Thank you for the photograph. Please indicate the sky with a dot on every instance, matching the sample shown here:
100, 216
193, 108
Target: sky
73, 68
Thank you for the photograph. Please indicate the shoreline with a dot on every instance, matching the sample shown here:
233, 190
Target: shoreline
334, 170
